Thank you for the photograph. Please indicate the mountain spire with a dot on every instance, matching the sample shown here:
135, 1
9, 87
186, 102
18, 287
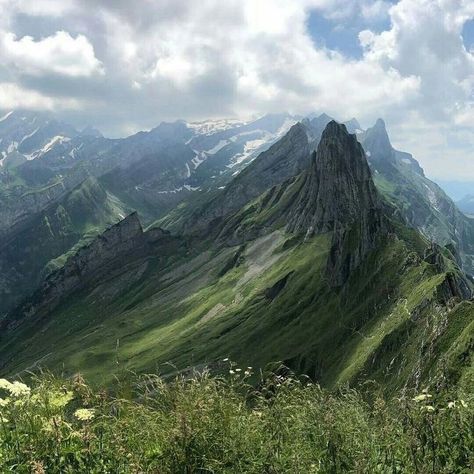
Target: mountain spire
338, 195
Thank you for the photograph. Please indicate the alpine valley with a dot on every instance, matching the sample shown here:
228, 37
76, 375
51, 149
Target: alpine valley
292, 239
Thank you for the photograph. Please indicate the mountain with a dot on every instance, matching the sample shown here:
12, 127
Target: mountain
29, 132
316, 269
419, 200
339, 196
47, 164
30, 251
466, 205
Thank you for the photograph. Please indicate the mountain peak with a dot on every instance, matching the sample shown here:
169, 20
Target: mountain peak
380, 124
377, 143
335, 129
338, 195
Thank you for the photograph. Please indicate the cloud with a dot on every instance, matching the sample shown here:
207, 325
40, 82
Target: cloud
57, 54
13, 96
425, 41
134, 65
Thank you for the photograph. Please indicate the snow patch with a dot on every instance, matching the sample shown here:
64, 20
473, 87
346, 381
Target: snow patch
212, 126
6, 116
12, 147
29, 135
199, 158
219, 146
186, 187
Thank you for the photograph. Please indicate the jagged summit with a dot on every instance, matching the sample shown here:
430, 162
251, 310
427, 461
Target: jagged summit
377, 143
338, 186
338, 195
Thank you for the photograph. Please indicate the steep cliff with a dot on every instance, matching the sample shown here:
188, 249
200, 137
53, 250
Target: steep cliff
339, 196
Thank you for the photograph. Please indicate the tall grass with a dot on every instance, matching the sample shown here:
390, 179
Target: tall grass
210, 424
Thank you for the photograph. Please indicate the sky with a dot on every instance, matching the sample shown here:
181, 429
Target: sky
125, 66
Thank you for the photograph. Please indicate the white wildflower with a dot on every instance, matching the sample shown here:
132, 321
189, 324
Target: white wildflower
422, 397
5, 384
18, 389
84, 414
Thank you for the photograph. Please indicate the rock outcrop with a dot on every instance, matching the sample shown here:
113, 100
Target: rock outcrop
112, 250
339, 196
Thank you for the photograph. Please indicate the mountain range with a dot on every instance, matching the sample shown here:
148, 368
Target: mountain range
466, 204
291, 239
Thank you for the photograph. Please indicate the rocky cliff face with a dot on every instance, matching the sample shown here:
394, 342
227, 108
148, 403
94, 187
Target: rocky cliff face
110, 251
339, 196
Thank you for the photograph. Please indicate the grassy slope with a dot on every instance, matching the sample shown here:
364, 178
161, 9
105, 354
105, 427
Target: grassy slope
184, 311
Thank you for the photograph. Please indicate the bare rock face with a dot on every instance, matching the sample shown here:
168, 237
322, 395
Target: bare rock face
339, 196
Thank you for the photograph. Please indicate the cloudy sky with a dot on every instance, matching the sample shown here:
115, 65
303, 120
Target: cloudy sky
124, 66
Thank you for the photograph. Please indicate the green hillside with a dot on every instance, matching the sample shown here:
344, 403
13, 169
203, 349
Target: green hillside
43, 243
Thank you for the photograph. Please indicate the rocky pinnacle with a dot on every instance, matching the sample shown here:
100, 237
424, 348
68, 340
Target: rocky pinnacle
339, 196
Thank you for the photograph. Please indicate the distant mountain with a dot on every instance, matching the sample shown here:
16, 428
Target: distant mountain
30, 133
312, 268
420, 201
467, 205
49, 166
456, 190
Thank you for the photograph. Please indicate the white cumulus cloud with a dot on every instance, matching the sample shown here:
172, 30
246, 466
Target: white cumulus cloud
59, 54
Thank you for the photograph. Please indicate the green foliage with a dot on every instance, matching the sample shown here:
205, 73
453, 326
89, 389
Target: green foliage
203, 423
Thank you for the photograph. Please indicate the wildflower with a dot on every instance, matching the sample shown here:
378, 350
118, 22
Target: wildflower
231, 372
247, 372
5, 384
225, 360
59, 400
18, 389
84, 414
463, 403
422, 397
51, 424
429, 408
451, 404
4, 402
238, 370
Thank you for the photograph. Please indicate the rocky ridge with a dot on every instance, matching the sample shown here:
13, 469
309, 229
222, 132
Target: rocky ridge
108, 252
